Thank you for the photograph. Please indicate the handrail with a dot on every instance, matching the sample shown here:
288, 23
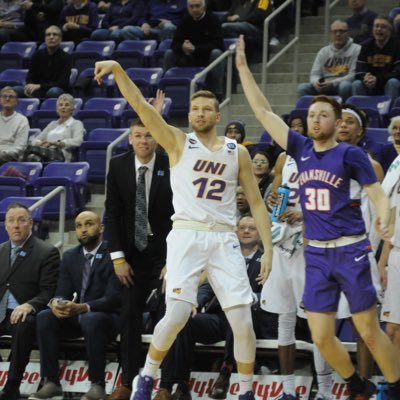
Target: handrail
61, 219
265, 63
226, 54
110, 149
328, 7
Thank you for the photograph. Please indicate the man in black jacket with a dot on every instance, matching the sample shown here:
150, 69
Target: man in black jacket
198, 42
50, 69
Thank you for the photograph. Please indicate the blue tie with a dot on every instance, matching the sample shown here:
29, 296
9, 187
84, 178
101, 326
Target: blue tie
3, 302
85, 274
141, 211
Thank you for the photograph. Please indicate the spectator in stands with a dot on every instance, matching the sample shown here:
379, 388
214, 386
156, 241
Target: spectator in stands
262, 166
14, 127
78, 20
122, 21
334, 67
242, 205
209, 325
198, 42
50, 69
361, 21
66, 133
86, 303
28, 281
39, 15
378, 65
11, 18
236, 130
163, 17
298, 123
138, 259
245, 17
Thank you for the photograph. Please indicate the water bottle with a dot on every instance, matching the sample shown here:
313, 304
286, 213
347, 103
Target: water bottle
382, 391
283, 197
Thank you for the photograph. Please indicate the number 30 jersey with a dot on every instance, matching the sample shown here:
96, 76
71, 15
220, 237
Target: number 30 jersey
330, 187
204, 182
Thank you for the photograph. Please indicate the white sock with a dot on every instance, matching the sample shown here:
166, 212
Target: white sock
325, 385
150, 367
245, 383
288, 384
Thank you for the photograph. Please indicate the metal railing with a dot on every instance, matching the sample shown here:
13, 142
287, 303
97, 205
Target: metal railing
61, 219
327, 13
267, 63
227, 54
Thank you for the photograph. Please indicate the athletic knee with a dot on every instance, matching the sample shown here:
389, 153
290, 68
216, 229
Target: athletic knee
393, 331
286, 329
322, 339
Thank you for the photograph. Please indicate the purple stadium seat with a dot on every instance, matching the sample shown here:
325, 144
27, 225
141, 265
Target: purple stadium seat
13, 77
87, 87
176, 85
305, 101
135, 53
376, 107
27, 106
377, 135
73, 176
67, 46
93, 150
13, 185
88, 52
158, 56
16, 54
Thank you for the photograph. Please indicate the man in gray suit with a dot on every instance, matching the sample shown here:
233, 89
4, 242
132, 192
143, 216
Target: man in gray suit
28, 278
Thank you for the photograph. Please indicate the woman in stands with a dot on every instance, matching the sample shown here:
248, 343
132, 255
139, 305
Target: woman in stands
64, 134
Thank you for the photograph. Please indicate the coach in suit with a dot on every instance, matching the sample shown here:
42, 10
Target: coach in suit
86, 303
138, 220
28, 277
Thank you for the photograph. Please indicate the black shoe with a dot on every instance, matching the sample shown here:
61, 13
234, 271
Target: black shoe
367, 393
10, 395
182, 393
221, 386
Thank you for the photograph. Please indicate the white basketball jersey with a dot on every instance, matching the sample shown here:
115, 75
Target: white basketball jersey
204, 182
395, 202
290, 178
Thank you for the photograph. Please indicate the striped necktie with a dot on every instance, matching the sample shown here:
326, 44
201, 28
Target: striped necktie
141, 211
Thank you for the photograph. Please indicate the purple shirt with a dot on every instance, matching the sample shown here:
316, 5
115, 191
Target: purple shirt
330, 187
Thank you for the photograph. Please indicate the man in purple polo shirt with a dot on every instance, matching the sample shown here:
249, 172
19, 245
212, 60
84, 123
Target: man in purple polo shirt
331, 176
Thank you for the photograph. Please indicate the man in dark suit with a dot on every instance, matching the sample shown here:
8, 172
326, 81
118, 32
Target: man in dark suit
28, 277
211, 326
86, 303
138, 265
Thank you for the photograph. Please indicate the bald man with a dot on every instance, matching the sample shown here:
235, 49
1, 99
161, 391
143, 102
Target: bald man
86, 304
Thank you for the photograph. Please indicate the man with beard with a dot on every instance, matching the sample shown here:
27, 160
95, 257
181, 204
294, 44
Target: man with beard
205, 169
86, 304
337, 251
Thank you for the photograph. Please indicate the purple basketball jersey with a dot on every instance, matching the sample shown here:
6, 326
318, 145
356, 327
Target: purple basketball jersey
330, 187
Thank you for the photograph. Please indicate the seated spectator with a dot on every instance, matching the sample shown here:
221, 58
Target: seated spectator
50, 69
78, 20
262, 166
361, 21
378, 64
28, 282
245, 17
299, 124
198, 42
59, 136
122, 21
209, 325
14, 127
242, 205
218, 5
39, 15
333, 70
163, 17
235, 130
86, 303
103, 6
11, 18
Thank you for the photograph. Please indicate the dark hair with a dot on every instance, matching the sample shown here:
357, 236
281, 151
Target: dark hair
385, 18
137, 122
268, 156
337, 109
363, 116
303, 121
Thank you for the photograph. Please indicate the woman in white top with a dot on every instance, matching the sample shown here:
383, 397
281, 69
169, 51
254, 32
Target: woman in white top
66, 132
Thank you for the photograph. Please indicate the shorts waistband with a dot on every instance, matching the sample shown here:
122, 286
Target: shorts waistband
202, 226
339, 242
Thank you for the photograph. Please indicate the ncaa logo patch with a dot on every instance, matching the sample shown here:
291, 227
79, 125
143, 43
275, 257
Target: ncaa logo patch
177, 290
192, 141
231, 146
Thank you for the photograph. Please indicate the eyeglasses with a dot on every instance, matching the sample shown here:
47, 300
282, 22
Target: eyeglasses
259, 162
8, 96
19, 221
339, 31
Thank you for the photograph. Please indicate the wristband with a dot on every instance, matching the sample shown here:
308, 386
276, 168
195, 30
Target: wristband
119, 262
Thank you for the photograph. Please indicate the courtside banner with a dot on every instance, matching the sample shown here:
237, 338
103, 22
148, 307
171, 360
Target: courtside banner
74, 376
339, 387
265, 387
